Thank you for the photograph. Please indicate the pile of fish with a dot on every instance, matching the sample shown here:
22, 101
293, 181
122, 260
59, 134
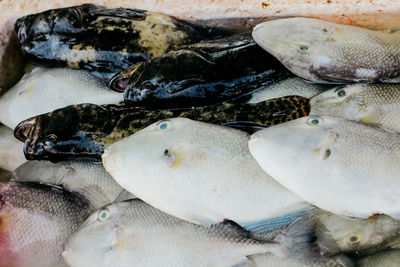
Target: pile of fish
144, 140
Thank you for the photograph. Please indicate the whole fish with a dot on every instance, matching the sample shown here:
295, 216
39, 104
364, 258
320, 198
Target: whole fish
43, 90
134, 232
104, 39
84, 130
322, 51
320, 158
335, 234
370, 103
269, 259
390, 258
199, 172
35, 221
200, 74
11, 150
88, 178
286, 87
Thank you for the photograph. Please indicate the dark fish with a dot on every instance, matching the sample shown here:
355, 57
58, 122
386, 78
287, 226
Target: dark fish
102, 39
35, 221
84, 130
200, 74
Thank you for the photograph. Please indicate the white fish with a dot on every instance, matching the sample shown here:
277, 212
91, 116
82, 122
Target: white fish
11, 150
199, 172
45, 89
370, 103
342, 166
134, 233
322, 51
286, 87
86, 177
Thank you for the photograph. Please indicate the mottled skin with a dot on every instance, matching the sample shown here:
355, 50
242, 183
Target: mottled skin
200, 74
97, 38
84, 130
35, 221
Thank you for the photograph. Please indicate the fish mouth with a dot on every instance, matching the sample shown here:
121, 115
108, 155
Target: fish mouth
120, 81
24, 129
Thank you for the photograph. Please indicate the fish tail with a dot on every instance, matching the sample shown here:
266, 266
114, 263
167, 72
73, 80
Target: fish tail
297, 240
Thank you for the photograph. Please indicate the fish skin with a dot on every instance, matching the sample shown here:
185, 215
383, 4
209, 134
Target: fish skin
84, 130
289, 86
11, 150
199, 172
89, 178
334, 157
389, 258
102, 39
35, 222
134, 231
321, 51
355, 237
268, 259
43, 90
200, 74
370, 103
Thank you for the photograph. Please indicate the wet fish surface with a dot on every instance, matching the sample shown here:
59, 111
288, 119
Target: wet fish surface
200, 74
370, 103
290, 86
321, 157
102, 39
89, 178
133, 231
84, 130
11, 150
321, 51
35, 221
390, 258
45, 89
202, 173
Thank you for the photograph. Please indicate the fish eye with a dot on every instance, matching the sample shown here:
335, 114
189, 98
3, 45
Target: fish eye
103, 214
148, 85
303, 47
163, 125
353, 239
51, 138
342, 92
315, 121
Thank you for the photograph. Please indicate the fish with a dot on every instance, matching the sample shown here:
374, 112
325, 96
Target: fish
389, 258
133, 231
101, 39
202, 173
11, 150
370, 103
44, 89
85, 130
322, 157
200, 74
12, 61
321, 51
355, 237
269, 259
89, 178
35, 221
290, 86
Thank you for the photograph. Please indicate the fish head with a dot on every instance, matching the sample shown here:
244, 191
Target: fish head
58, 136
347, 102
166, 76
304, 143
154, 149
298, 43
98, 238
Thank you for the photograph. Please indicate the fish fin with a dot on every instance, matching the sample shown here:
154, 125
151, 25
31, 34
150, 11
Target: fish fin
244, 262
95, 195
297, 240
324, 241
247, 126
277, 222
124, 195
394, 244
232, 227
